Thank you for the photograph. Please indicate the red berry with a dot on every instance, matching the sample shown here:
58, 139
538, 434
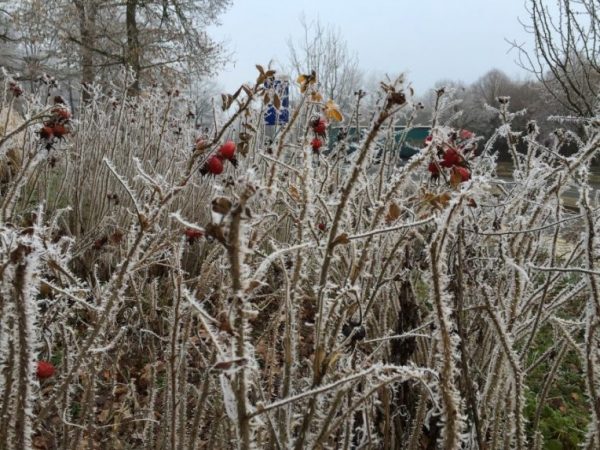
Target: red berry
316, 144
59, 130
45, 369
214, 165
463, 172
428, 139
46, 132
227, 150
451, 158
433, 168
192, 233
319, 126
61, 113
322, 226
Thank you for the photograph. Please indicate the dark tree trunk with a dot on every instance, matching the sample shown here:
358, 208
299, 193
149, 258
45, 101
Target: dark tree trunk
133, 45
87, 11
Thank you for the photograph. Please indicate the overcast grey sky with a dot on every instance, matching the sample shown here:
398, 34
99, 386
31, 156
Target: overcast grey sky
428, 39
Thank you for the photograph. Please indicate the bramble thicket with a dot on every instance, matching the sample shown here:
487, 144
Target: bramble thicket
239, 288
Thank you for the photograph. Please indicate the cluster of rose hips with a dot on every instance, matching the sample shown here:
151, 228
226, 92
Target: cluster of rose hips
15, 88
319, 127
57, 125
214, 164
453, 156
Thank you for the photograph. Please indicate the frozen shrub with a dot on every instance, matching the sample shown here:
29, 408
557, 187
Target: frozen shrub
173, 290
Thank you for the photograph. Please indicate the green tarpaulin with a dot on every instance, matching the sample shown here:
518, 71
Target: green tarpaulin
412, 144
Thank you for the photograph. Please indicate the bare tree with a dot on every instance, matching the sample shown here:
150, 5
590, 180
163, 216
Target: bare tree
8, 47
204, 91
566, 55
158, 40
324, 50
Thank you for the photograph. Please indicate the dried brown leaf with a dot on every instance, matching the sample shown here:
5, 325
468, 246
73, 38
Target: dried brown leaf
341, 239
221, 205
393, 213
294, 193
216, 232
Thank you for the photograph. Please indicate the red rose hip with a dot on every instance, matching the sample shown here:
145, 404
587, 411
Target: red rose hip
44, 370
59, 130
451, 158
61, 113
214, 165
463, 172
227, 150
192, 233
46, 132
316, 144
433, 168
319, 126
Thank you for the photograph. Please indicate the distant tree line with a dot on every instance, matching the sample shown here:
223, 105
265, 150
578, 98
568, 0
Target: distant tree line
472, 111
563, 64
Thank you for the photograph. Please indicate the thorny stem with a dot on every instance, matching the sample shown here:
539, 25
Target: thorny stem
235, 260
592, 313
468, 382
384, 114
445, 342
333, 405
320, 358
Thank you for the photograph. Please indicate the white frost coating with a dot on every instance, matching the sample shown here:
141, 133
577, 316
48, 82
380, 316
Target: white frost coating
21, 256
111, 344
132, 195
228, 397
264, 265
496, 284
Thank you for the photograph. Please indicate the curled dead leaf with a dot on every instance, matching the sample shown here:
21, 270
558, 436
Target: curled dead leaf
221, 205
340, 239
294, 193
333, 112
216, 232
438, 201
455, 179
393, 213
306, 80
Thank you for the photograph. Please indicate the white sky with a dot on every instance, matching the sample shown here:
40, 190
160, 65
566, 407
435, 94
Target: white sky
428, 39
